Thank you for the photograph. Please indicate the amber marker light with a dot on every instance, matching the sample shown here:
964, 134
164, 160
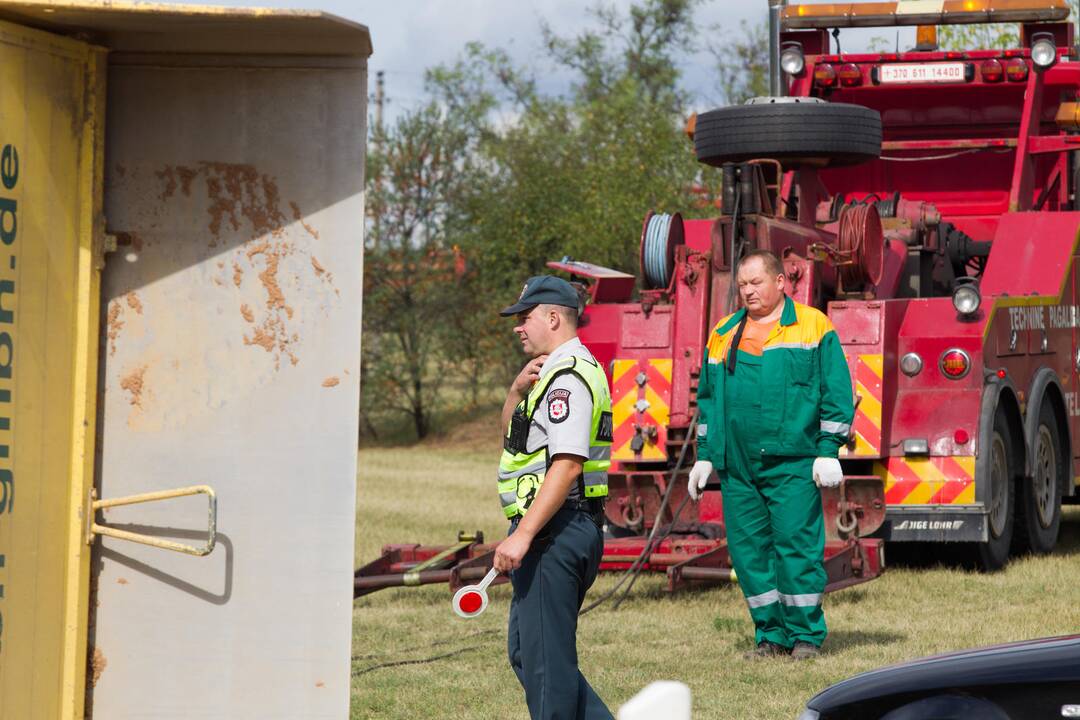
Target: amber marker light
954, 363
850, 75
1016, 70
991, 71
825, 76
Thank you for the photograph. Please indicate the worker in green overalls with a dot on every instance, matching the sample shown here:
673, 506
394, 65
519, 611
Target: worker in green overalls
552, 485
775, 405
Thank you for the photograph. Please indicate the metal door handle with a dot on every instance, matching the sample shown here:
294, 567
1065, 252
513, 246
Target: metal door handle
93, 528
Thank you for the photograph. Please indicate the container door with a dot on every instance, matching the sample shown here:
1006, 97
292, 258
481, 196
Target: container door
230, 359
51, 96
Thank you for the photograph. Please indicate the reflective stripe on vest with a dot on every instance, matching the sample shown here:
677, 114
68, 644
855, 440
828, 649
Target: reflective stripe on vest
522, 473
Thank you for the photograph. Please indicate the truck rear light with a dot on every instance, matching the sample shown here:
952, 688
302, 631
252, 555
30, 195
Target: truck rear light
960, 437
911, 364
825, 76
1016, 70
850, 75
954, 363
991, 71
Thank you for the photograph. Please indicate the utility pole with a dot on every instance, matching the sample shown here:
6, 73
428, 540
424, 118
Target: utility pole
380, 97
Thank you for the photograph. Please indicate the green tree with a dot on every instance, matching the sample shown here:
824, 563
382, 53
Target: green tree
741, 60
493, 178
574, 175
419, 177
996, 36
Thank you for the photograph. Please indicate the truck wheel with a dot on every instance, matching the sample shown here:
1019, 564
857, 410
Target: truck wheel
796, 131
1039, 507
1001, 496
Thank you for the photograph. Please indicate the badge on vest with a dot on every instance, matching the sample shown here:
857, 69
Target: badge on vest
604, 432
558, 402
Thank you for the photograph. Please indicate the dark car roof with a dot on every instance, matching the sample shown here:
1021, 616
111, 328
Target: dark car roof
1046, 659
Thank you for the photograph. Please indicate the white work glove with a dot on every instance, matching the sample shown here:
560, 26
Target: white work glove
699, 475
827, 472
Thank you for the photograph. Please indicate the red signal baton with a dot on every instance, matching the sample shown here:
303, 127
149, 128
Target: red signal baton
472, 600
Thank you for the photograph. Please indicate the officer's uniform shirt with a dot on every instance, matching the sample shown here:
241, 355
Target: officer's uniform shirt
563, 418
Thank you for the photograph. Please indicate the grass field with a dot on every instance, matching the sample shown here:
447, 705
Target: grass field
427, 493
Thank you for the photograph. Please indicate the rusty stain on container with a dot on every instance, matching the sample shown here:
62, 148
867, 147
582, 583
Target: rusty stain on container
97, 666
272, 254
237, 191
320, 271
133, 302
121, 581
330, 382
265, 336
320, 684
272, 337
243, 200
169, 177
120, 170
300, 219
133, 383
114, 324
186, 176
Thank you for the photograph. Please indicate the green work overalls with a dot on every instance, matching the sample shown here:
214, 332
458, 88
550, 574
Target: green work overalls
773, 518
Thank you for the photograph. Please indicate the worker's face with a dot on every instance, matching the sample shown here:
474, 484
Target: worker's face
534, 329
761, 291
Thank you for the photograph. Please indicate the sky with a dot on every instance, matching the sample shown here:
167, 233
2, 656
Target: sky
410, 36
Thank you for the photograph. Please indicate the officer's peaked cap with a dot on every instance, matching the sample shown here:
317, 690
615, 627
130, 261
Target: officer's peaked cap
544, 290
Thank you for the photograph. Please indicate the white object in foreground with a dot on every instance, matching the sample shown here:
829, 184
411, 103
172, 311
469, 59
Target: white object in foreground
661, 700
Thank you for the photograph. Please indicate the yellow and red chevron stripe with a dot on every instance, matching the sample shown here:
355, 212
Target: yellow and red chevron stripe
625, 396
928, 481
867, 425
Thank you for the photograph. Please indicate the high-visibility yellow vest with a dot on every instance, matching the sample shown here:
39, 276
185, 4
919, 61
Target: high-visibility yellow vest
521, 473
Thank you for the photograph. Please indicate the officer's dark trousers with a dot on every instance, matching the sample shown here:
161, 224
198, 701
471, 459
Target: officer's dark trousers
549, 588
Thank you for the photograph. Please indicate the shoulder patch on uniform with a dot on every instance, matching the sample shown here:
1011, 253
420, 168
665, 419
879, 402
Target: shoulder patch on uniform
558, 404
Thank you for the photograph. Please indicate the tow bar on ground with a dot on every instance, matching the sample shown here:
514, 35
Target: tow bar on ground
852, 511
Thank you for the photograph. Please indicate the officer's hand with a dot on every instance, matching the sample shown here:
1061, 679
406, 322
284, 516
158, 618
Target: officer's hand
509, 553
827, 472
699, 476
528, 375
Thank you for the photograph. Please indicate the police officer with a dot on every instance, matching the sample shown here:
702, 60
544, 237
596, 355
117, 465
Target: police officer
775, 407
552, 482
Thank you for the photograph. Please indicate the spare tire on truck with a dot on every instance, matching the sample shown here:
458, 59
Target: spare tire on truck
795, 131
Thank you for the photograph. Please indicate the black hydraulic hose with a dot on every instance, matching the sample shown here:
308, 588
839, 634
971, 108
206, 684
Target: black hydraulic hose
635, 568
736, 231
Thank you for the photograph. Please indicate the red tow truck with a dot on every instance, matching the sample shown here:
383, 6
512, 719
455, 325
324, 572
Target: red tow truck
927, 201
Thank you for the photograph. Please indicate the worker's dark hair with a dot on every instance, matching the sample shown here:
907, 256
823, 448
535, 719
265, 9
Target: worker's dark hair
768, 259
